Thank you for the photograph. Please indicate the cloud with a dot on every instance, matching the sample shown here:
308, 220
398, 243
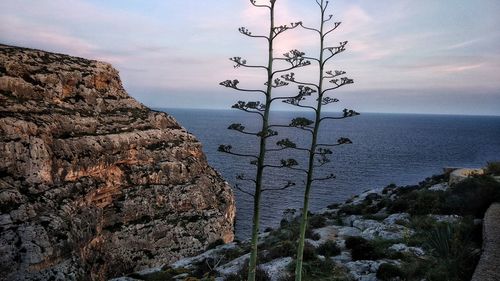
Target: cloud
171, 46
464, 44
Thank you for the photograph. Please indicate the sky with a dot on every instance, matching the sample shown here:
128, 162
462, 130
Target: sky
405, 56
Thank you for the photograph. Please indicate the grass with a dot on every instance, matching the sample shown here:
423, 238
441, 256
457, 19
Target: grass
362, 249
328, 249
388, 272
493, 168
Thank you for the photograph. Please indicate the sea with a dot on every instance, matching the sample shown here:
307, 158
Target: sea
402, 149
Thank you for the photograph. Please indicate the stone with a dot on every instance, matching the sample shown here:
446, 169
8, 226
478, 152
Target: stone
439, 187
401, 218
387, 233
277, 269
372, 229
364, 270
190, 262
461, 174
325, 233
124, 279
402, 248
349, 220
373, 194
95, 185
446, 218
345, 231
344, 257
233, 266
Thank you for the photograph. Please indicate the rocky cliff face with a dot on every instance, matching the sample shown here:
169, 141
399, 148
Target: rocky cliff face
92, 183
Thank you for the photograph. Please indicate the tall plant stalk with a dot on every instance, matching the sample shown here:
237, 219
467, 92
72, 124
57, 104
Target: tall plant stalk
262, 109
317, 152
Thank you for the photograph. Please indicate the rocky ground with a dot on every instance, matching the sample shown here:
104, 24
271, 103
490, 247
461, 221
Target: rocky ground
429, 231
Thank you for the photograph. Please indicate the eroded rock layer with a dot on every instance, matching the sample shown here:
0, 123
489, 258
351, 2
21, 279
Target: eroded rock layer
92, 183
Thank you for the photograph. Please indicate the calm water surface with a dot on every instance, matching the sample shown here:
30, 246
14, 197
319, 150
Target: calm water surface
388, 148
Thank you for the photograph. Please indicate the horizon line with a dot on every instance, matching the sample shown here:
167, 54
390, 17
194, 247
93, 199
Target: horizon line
302, 111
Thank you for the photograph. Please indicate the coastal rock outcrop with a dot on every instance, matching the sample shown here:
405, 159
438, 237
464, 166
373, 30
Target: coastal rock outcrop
92, 183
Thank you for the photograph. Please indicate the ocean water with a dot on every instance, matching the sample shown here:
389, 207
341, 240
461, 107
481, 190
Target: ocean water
387, 148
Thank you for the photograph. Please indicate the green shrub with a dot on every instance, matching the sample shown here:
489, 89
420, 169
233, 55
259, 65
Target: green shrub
260, 274
328, 249
362, 208
417, 202
427, 202
469, 197
472, 196
455, 253
399, 205
493, 168
312, 235
388, 272
289, 229
361, 249
205, 268
319, 270
309, 253
317, 221
422, 222
281, 249
389, 188
232, 253
333, 206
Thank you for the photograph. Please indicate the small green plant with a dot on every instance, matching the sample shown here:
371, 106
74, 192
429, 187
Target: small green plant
312, 235
493, 168
455, 254
472, 196
233, 253
317, 221
309, 252
388, 272
260, 274
319, 270
328, 249
281, 249
361, 249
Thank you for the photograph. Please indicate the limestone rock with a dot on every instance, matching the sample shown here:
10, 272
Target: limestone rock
277, 269
446, 218
461, 174
92, 183
364, 270
439, 187
400, 218
402, 248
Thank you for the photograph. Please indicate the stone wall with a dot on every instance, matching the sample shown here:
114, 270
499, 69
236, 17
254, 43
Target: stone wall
488, 268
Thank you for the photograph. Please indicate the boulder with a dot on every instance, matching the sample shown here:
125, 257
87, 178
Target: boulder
461, 174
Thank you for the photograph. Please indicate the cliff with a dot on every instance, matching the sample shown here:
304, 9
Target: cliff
92, 183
